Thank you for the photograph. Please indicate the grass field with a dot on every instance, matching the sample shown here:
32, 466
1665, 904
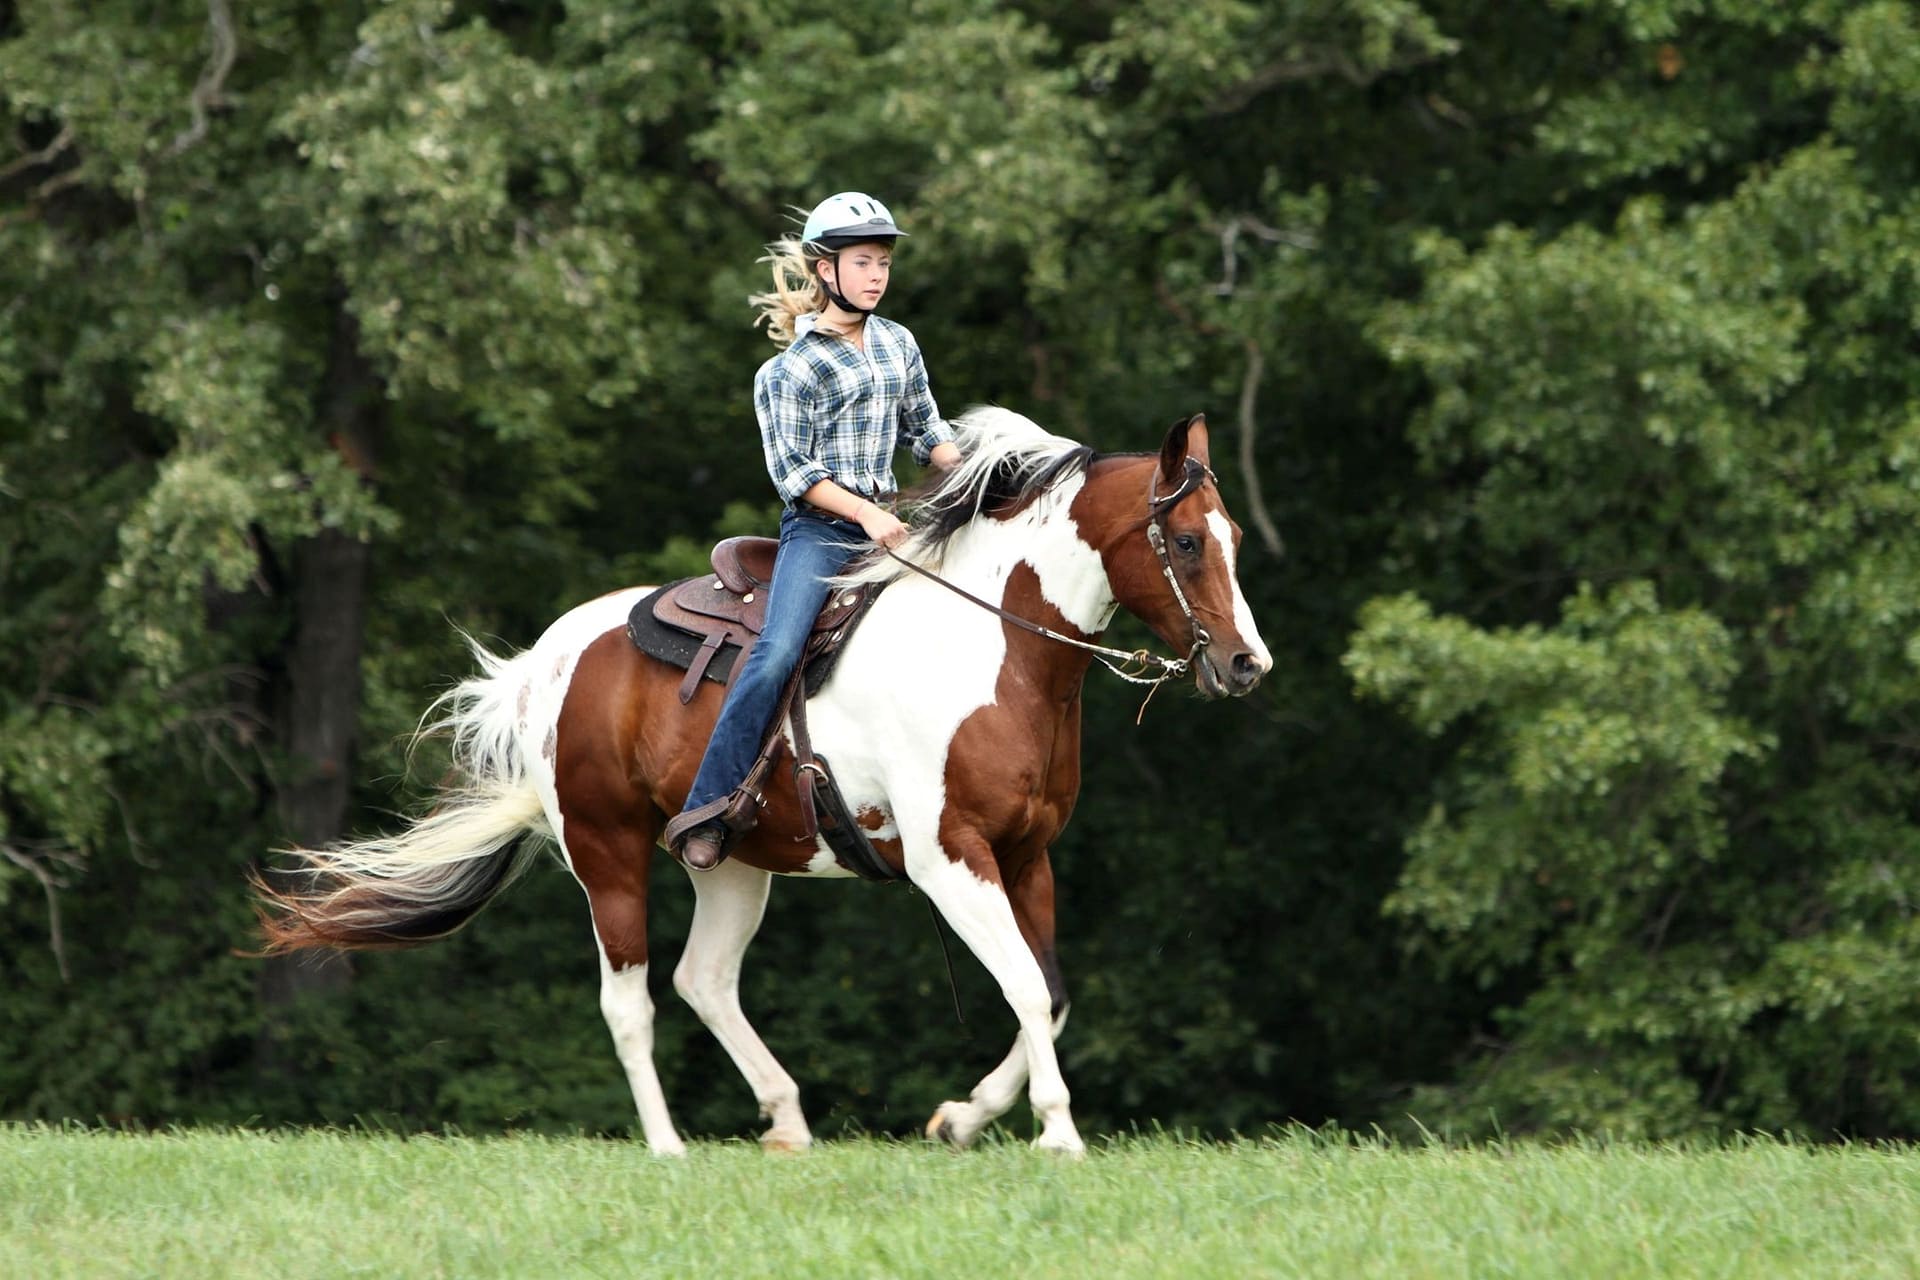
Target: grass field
76, 1203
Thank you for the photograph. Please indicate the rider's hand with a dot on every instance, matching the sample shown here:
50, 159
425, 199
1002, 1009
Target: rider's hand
882, 525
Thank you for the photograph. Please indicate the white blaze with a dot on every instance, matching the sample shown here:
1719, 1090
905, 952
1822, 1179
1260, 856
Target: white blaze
1242, 615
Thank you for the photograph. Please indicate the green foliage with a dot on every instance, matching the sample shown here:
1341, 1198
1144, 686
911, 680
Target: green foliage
487, 243
1662, 811
1569, 347
244, 467
1597, 753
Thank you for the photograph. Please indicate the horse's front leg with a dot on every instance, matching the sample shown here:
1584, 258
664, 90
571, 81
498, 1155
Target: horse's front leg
959, 873
1030, 894
729, 902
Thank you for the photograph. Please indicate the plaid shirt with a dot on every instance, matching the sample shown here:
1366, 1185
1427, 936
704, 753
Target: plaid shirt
831, 411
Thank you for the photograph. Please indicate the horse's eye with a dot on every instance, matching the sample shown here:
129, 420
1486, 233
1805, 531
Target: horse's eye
1186, 542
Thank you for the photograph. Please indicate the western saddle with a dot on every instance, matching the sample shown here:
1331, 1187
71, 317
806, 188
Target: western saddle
730, 608
724, 612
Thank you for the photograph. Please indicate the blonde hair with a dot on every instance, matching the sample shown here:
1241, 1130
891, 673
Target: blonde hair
796, 289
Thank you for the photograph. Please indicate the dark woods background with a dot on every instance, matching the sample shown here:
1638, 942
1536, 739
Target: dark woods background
1567, 350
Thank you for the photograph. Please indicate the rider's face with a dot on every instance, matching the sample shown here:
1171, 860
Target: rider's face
859, 273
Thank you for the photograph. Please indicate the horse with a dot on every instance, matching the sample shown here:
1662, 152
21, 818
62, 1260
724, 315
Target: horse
953, 727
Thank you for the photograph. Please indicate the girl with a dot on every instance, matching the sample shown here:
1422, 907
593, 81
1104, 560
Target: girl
847, 389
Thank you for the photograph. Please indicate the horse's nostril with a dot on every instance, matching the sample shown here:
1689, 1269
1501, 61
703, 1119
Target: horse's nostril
1245, 667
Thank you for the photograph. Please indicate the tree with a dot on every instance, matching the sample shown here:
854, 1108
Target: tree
1677, 829
1575, 338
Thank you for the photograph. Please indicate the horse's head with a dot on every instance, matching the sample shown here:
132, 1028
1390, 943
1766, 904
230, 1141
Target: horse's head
1170, 554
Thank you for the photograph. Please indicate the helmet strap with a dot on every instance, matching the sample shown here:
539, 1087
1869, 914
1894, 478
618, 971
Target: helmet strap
833, 292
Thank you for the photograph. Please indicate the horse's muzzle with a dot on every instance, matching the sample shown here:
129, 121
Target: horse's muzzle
1237, 678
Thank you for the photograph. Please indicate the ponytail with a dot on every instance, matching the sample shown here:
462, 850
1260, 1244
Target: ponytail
796, 290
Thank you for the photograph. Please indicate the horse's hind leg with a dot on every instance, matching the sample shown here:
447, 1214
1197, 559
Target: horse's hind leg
1031, 897
729, 903
611, 864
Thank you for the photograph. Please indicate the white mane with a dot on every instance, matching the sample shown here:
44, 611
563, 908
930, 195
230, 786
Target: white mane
1002, 454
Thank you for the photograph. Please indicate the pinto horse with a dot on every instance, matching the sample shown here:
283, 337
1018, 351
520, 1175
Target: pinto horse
954, 734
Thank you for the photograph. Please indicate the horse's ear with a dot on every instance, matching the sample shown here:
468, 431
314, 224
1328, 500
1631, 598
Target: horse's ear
1197, 439
1184, 440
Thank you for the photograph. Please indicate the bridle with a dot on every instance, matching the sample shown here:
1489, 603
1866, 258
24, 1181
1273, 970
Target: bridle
1133, 667
1197, 474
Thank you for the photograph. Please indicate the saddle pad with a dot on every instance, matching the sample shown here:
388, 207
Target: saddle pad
671, 645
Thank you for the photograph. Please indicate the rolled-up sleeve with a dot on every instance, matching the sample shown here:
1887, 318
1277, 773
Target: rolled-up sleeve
921, 426
783, 401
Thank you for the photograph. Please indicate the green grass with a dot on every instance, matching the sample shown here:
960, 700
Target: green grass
78, 1203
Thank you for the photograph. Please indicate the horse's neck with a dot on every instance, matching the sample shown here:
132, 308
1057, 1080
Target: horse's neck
1072, 578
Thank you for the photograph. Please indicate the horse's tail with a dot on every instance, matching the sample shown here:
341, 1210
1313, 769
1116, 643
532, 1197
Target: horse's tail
441, 869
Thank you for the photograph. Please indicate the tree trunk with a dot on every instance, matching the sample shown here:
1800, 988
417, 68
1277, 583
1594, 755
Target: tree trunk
317, 703
318, 712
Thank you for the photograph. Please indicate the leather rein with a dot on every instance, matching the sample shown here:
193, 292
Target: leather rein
1133, 666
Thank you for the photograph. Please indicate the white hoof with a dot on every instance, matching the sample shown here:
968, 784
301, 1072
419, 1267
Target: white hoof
955, 1123
1066, 1144
670, 1149
786, 1142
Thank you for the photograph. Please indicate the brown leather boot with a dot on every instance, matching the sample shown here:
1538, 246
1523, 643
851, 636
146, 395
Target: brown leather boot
699, 836
704, 847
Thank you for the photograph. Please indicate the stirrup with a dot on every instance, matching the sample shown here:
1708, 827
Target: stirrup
678, 828
735, 813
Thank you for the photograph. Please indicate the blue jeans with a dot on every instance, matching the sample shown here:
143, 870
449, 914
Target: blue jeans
812, 549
